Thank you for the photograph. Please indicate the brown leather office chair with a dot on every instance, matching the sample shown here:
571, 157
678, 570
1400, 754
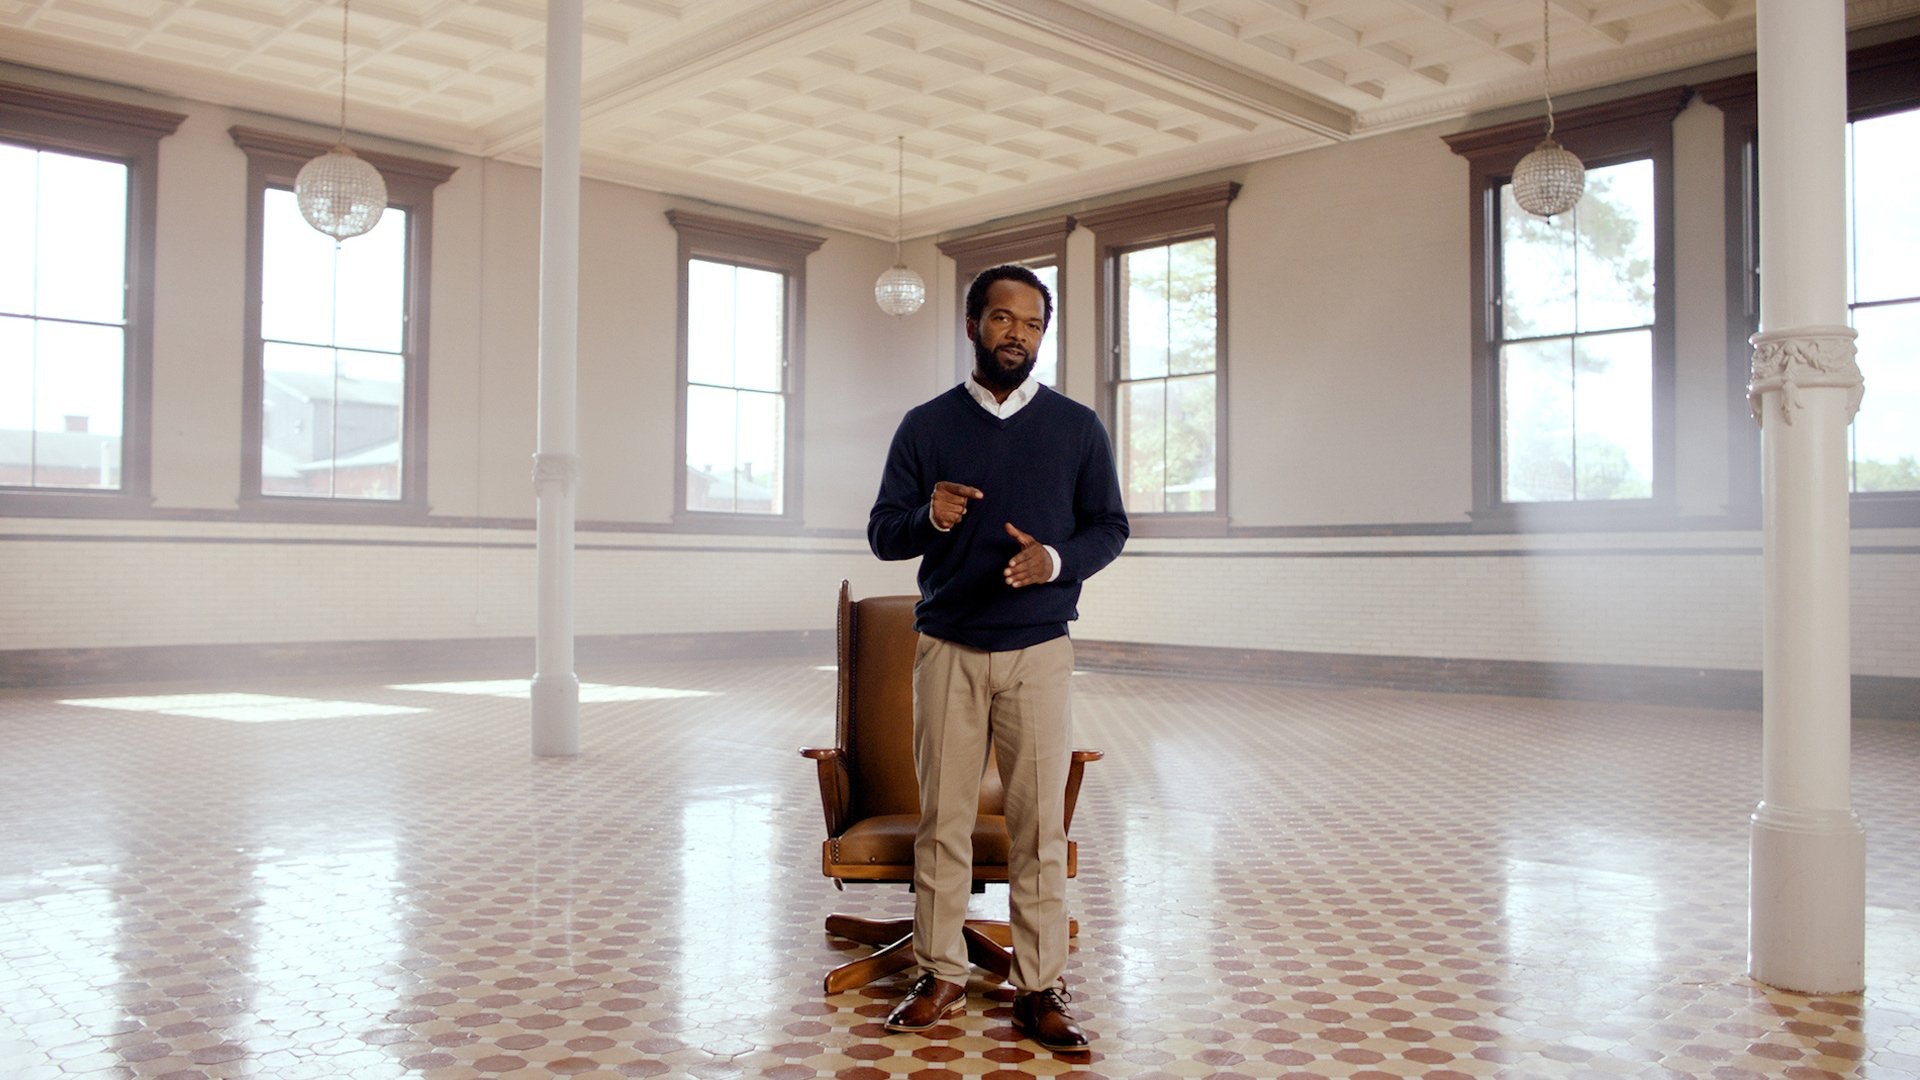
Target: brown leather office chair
872, 800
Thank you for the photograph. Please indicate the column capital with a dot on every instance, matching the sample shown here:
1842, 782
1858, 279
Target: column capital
1804, 356
555, 473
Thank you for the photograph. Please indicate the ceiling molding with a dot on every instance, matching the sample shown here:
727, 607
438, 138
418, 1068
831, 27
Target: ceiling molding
706, 59
1130, 45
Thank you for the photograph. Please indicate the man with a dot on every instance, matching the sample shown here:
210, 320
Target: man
1006, 491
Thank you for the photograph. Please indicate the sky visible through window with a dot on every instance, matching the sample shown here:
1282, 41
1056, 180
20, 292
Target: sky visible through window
1883, 289
736, 382
62, 318
332, 324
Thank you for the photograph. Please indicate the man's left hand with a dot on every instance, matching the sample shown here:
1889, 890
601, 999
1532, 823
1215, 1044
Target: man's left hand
1031, 566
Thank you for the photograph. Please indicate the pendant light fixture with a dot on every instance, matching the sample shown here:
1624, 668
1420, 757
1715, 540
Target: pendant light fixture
1550, 179
339, 193
899, 291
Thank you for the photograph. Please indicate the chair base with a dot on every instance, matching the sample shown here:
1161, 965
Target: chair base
989, 947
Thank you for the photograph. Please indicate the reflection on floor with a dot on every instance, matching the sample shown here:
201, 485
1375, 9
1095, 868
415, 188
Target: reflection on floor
1274, 882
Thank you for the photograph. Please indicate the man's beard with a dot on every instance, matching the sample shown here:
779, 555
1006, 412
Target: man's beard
994, 376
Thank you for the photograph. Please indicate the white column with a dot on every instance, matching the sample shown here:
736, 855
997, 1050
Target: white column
1807, 885
556, 465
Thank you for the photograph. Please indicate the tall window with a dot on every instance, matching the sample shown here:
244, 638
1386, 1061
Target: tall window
1165, 341
1573, 379
336, 343
1046, 359
1575, 343
1038, 246
1883, 296
77, 192
736, 388
741, 311
1165, 382
63, 318
332, 357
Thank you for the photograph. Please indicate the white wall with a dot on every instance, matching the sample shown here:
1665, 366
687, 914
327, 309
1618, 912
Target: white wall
1350, 345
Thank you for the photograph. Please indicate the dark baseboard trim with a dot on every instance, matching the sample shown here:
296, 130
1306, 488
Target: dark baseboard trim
1877, 696
164, 663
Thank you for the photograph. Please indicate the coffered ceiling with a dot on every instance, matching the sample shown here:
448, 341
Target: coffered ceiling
792, 107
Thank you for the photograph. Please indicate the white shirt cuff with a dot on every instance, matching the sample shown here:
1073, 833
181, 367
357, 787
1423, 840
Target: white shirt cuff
1055, 556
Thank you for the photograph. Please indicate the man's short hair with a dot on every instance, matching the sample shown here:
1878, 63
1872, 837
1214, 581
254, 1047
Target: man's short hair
977, 292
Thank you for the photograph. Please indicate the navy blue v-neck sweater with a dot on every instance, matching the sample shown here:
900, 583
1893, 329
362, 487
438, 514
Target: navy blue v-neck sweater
1048, 469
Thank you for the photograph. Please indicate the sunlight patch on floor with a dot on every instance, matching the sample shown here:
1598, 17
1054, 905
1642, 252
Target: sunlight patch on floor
520, 688
243, 708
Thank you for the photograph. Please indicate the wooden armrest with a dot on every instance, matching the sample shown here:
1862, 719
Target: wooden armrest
1075, 772
836, 787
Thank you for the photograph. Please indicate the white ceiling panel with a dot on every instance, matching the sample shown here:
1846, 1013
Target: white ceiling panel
792, 107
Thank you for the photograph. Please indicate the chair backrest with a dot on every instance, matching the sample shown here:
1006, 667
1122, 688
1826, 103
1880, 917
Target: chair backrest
874, 720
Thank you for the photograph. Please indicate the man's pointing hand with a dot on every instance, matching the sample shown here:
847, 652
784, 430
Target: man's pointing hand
950, 503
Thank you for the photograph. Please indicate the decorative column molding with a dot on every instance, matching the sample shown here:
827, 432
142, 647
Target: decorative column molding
555, 474
1807, 878
1786, 360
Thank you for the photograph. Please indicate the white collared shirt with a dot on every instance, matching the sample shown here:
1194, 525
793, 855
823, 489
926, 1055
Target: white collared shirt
1016, 401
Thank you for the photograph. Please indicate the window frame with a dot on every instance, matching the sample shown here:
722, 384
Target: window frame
1627, 129
1881, 79
50, 120
1160, 220
758, 247
1033, 245
274, 160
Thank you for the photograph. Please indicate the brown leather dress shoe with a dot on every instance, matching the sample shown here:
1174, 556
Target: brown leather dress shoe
1043, 1015
928, 1001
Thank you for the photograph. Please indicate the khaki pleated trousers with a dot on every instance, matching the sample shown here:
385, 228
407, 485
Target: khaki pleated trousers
964, 700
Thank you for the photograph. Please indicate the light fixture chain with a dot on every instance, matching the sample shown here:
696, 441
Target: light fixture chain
1550, 179
346, 13
339, 193
899, 291
1546, 65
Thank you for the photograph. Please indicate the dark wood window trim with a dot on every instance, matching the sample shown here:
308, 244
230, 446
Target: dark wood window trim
1628, 129
130, 134
1189, 214
763, 247
273, 160
1039, 243
1881, 79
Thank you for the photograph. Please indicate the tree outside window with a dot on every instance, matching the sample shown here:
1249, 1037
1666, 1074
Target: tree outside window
1163, 312
1575, 345
1883, 295
1165, 392
1573, 370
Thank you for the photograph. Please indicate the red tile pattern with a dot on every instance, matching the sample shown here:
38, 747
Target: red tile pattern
378, 881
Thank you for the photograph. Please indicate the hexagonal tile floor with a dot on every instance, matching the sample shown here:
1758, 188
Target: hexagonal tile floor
287, 878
